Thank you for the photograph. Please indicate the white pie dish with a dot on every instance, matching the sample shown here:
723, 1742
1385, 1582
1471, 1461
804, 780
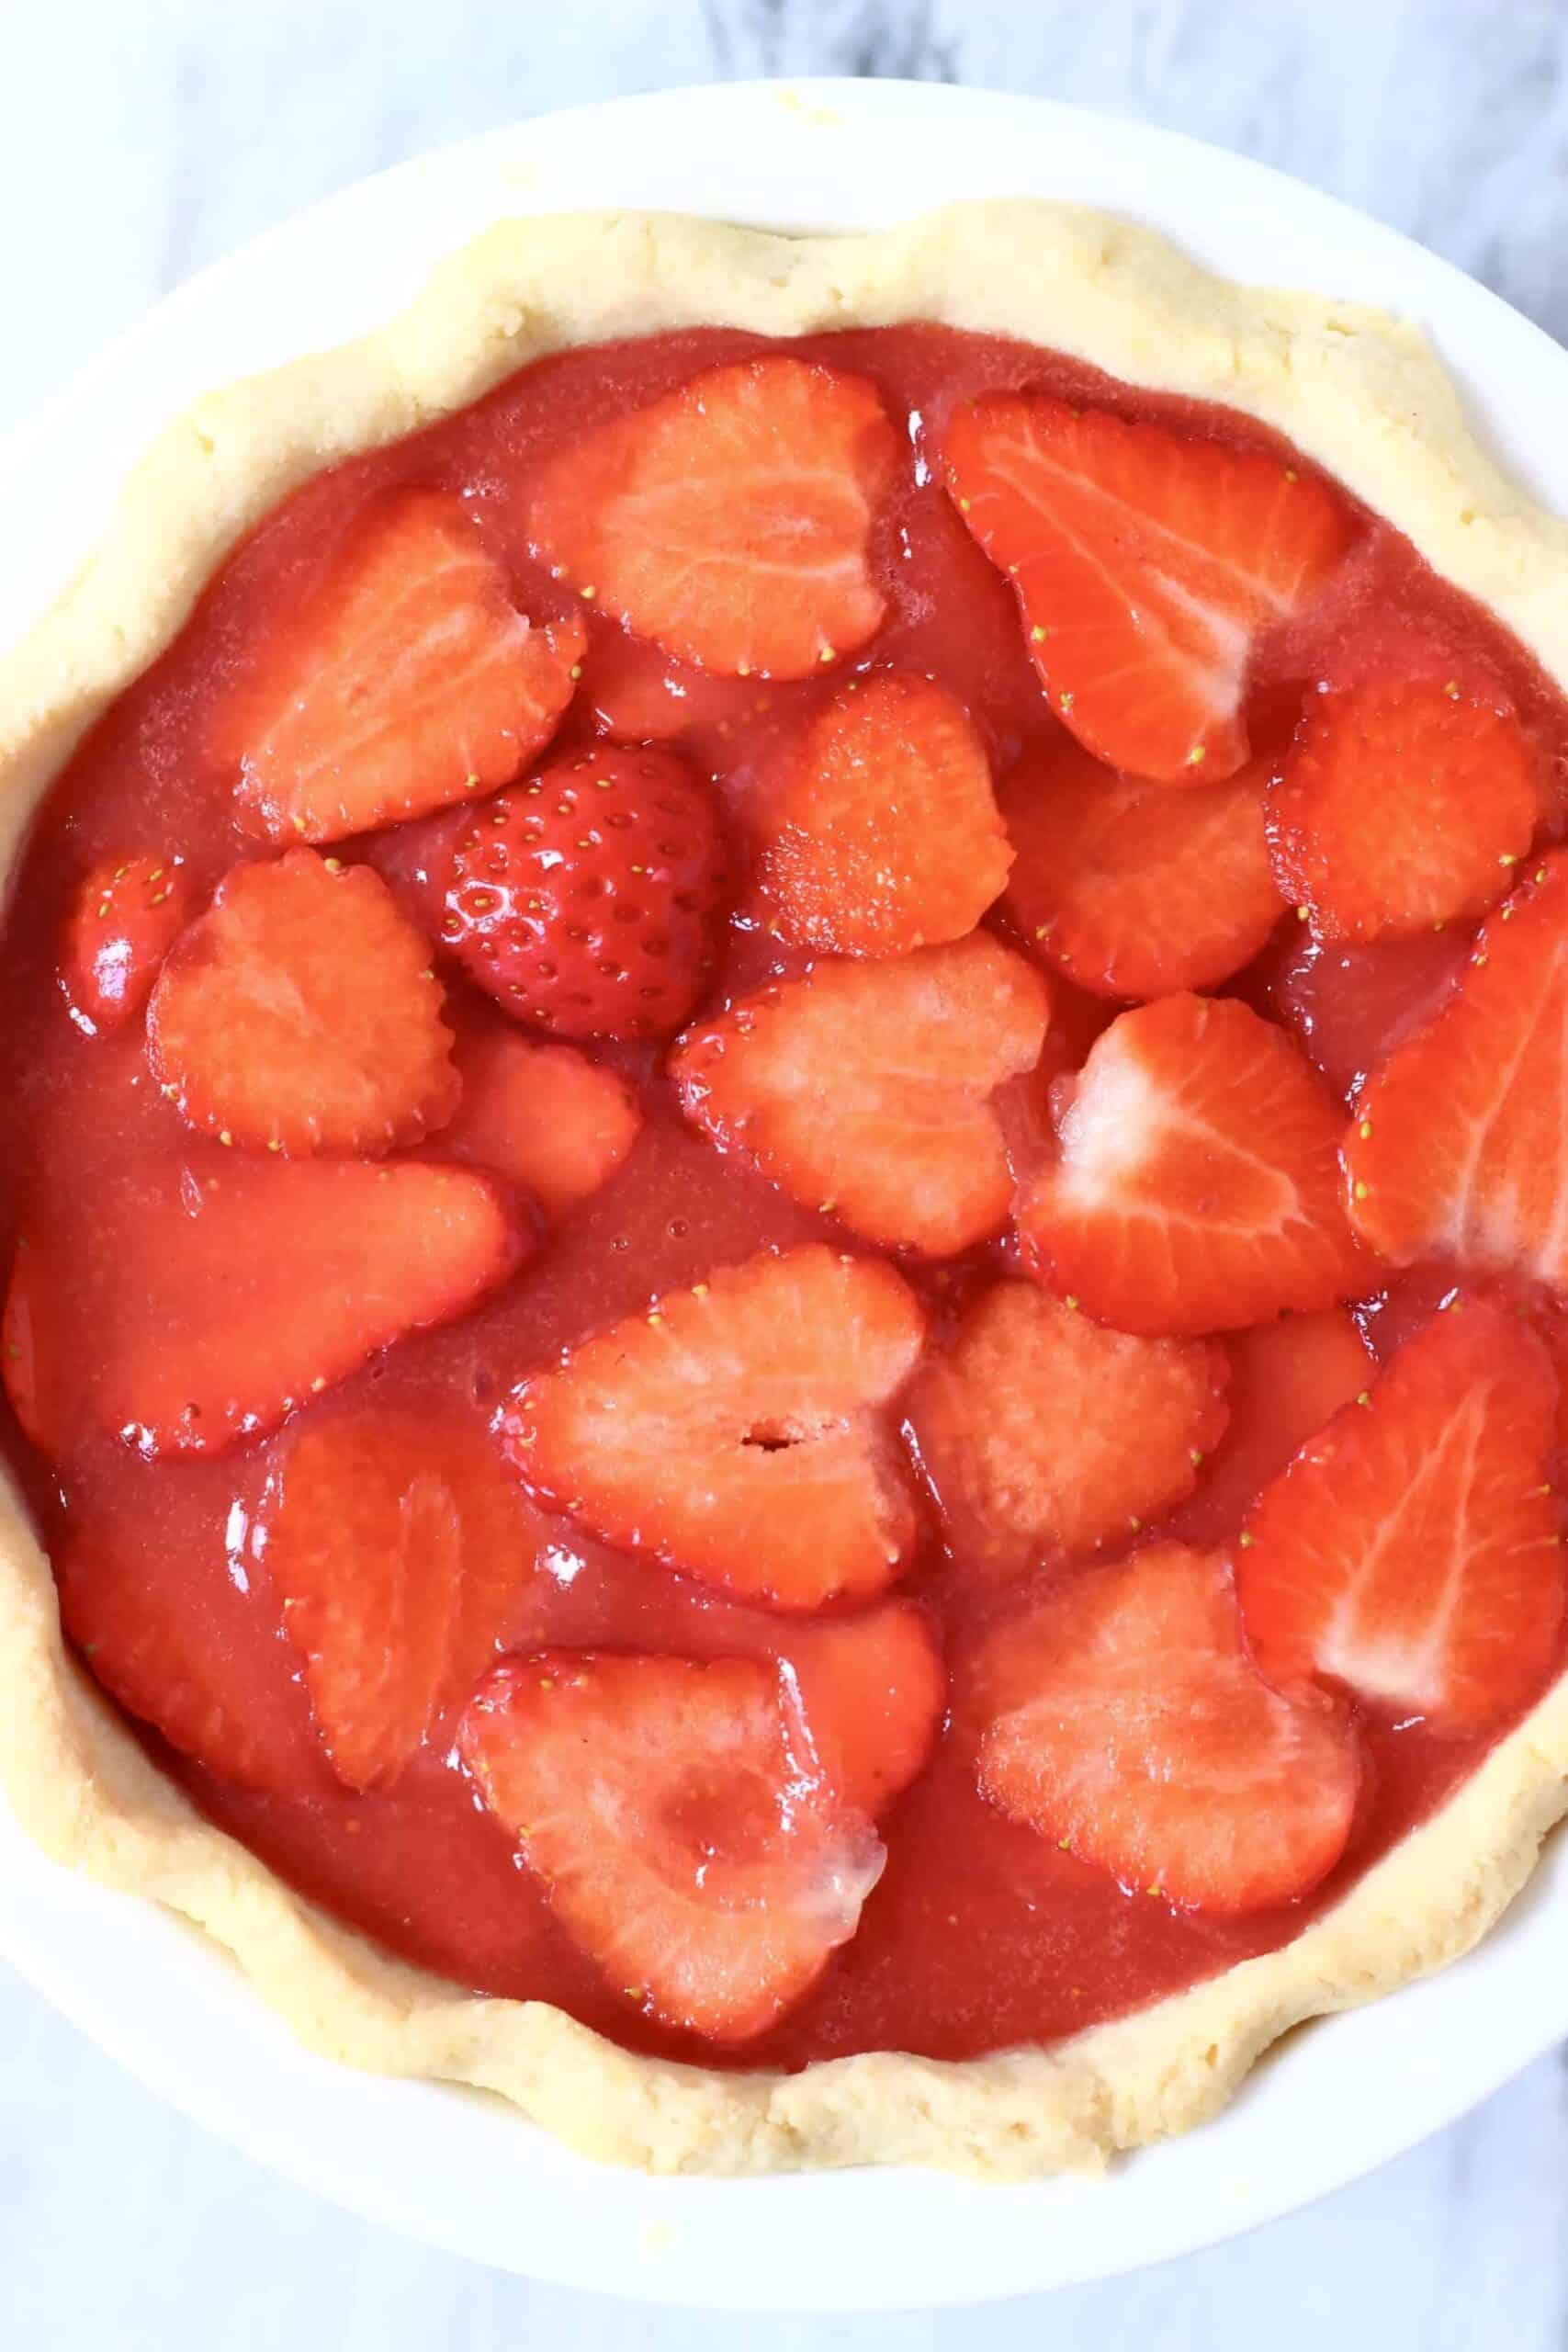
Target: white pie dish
1338, 2099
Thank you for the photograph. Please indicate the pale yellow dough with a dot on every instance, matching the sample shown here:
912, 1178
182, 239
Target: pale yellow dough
1352, 387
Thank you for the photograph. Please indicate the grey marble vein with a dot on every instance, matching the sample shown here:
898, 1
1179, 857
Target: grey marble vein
140, 139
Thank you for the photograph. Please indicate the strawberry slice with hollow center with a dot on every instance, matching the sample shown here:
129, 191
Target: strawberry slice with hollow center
887, 837
738, 1431
1459, 1149
1197, 1183
678, 1814
545, 1117
406, 680
1411, 1549
730, 519
1131, 890
1147, 564
128, 913
209, 1296
300, 1013
1044, 1434
399, 1546
1124, 1721
866, 1089
1403, 805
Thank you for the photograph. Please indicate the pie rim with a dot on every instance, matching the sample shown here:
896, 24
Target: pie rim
1357, 391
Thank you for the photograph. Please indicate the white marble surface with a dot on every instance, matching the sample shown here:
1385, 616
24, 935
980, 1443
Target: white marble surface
140, 139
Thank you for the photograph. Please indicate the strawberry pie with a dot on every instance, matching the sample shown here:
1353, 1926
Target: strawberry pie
785, 1216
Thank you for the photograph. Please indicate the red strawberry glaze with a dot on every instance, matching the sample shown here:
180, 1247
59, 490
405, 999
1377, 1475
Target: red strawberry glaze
981, 1934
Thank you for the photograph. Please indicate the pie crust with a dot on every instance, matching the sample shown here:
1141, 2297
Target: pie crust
1352, 387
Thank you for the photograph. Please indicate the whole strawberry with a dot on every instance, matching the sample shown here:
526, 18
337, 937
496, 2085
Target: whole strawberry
583, 898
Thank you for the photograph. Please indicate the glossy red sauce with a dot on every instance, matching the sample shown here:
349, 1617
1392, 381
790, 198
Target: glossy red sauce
981, 1934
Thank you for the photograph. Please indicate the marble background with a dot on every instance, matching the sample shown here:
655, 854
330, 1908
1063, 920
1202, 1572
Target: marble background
140, 139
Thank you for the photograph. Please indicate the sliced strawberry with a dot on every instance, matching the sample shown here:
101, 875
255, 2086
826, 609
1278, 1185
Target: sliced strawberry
1288, 1379
300, 1013
1198, 1186
1403, 805
885, 836
1147, 564
544, 1116
1411, 1549
1350, 1006
866, 1089
584, 900
1129, 888
1044, 1434
208, 1297
637, 694
873, 1684
731, 519
678, 1814
401, 1549
127, 915
737, 1431
1458, 1148
873, 1689
403, 679
166, 1650
1126, 1722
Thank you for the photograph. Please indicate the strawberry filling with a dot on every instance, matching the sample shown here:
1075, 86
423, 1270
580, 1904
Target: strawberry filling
766, 1356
